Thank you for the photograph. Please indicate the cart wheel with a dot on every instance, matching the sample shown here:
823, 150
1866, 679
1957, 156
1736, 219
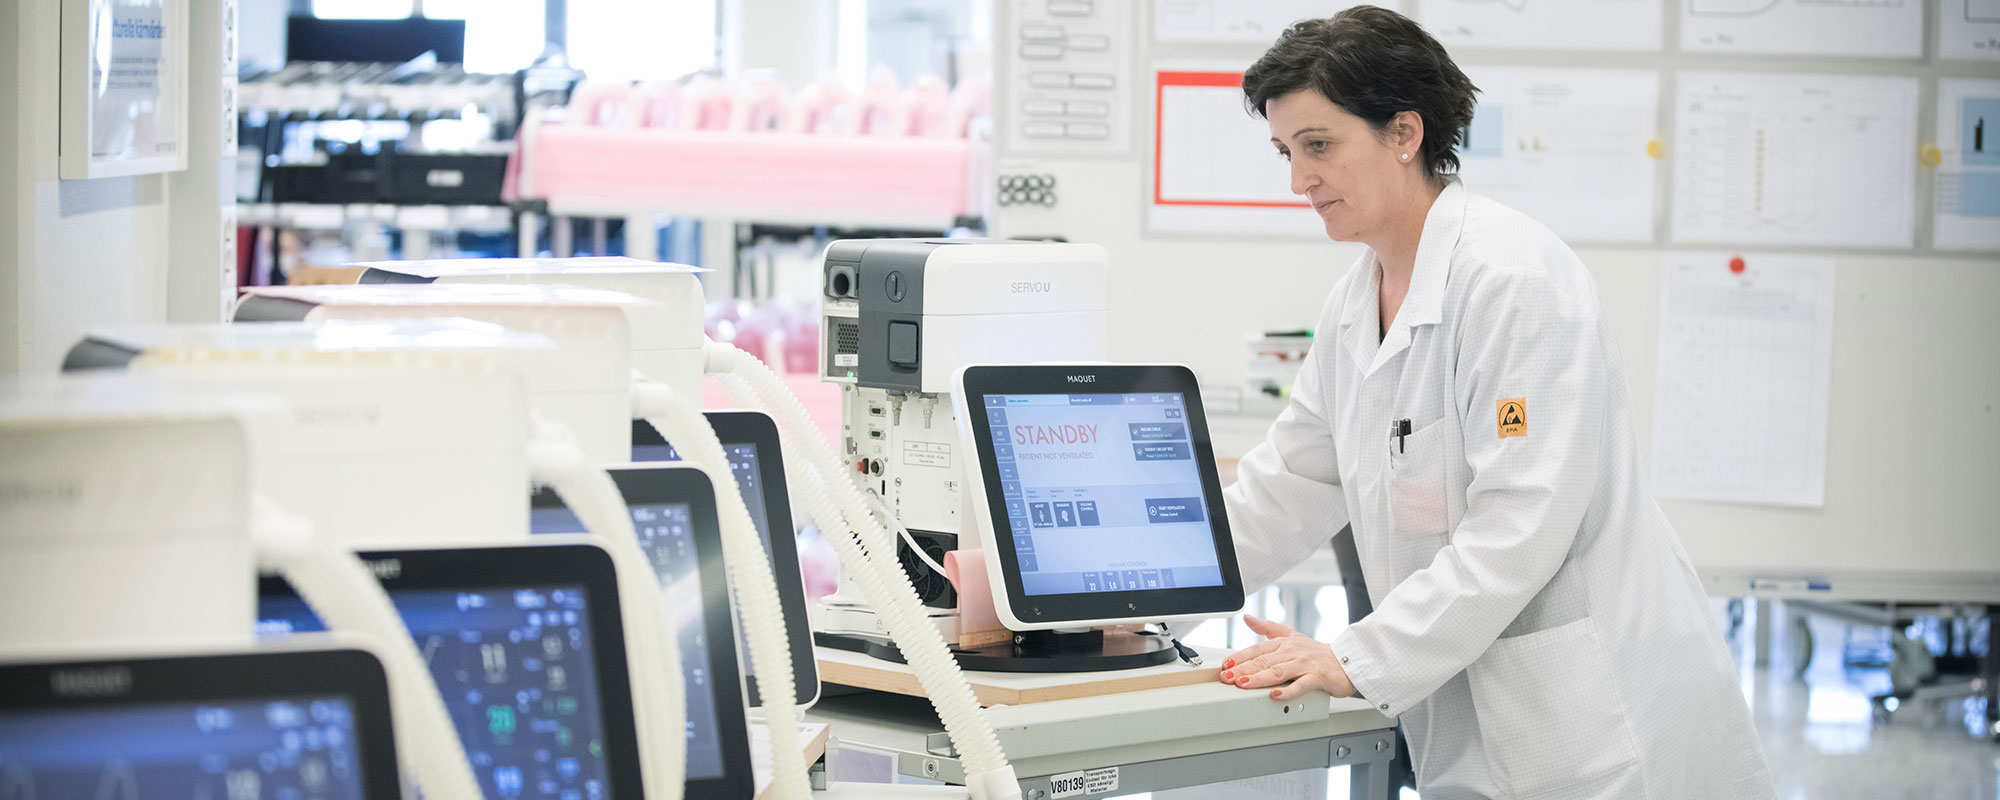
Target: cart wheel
1801, 647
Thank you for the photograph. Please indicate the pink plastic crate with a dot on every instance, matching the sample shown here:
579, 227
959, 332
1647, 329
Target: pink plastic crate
750, 174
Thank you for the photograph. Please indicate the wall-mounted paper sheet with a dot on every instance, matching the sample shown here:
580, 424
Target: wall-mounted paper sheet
1884, 28
1823, 160
1746, 361
1568, 148
1968, 177
1542, 24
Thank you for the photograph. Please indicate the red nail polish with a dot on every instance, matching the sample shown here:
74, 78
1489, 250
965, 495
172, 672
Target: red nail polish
1228, 663
1226, 674
1242, 680
1274, 694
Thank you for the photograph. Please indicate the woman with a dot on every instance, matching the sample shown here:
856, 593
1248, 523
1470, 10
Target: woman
1537, 629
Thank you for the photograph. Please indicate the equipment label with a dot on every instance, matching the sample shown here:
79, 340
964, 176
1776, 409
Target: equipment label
926, 454
1087, 782
1513, 414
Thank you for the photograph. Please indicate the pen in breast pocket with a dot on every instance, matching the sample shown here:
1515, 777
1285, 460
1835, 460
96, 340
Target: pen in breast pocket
1400, 429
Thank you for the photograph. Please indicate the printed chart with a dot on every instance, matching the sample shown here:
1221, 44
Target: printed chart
1746, 361
1884, 28
1561, 24
1969, 29
1968, 177
1214, 168
1220, 21
1568, 148
1795, 159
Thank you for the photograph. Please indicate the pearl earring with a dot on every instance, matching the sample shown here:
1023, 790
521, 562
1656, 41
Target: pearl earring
1406, 156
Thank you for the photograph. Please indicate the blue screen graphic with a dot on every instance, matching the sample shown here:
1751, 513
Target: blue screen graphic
302, 747
750, 485
743, 462
667, 536
516, 670
1102, 492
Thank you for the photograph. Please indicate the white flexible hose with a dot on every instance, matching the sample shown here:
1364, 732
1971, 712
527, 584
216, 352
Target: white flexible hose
344, 593
839, 508
659, 694
750, 579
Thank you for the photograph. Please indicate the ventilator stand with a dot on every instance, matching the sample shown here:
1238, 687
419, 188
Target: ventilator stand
1085, 650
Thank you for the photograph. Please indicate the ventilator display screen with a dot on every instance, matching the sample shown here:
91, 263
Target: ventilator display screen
1102, 492
518, 674
750, 444
269, 747
666, 534
673, 512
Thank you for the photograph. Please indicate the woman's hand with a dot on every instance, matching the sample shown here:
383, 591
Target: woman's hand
1286, 655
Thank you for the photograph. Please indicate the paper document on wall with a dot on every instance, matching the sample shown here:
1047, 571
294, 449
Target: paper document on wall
1968, 176
1236, 21
1824, 160
1969, 29
1883, 28
1214, 167
1567, 147
1539, 24
1746, 359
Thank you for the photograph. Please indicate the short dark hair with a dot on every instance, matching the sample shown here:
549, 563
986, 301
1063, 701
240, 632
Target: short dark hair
1373, 63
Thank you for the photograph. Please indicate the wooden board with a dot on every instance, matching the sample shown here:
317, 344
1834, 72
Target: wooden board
1014, 689
812, 743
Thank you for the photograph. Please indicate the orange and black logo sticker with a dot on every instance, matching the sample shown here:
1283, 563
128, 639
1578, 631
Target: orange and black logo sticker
1513, 417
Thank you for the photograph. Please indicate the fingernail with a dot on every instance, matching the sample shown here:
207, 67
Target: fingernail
1274, 694
1226, 674
1227, 663
1242, 680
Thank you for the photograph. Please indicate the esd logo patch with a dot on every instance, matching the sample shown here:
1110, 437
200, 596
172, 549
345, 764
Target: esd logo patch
1513, 416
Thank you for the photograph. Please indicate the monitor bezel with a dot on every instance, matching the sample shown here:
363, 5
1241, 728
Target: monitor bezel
757, 428
529, 564
666, 483
1022, 611
353, 675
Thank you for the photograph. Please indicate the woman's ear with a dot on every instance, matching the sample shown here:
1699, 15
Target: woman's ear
1408, 129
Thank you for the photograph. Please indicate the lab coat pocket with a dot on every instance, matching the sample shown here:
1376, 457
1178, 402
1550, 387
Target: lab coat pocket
1551, 717
1417, 497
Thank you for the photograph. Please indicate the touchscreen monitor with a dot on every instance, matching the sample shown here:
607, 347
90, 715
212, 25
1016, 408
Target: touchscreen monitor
750, 443
1101, 492
527, 647
673, 512
307, 723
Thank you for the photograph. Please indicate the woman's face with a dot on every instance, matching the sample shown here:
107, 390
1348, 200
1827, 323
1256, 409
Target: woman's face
1351, 174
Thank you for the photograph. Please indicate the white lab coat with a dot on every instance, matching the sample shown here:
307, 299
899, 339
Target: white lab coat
1537, 628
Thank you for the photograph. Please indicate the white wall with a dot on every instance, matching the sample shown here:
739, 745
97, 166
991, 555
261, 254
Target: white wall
792, 39
75, 252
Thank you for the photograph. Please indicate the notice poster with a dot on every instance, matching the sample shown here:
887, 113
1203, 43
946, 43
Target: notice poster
124, 93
